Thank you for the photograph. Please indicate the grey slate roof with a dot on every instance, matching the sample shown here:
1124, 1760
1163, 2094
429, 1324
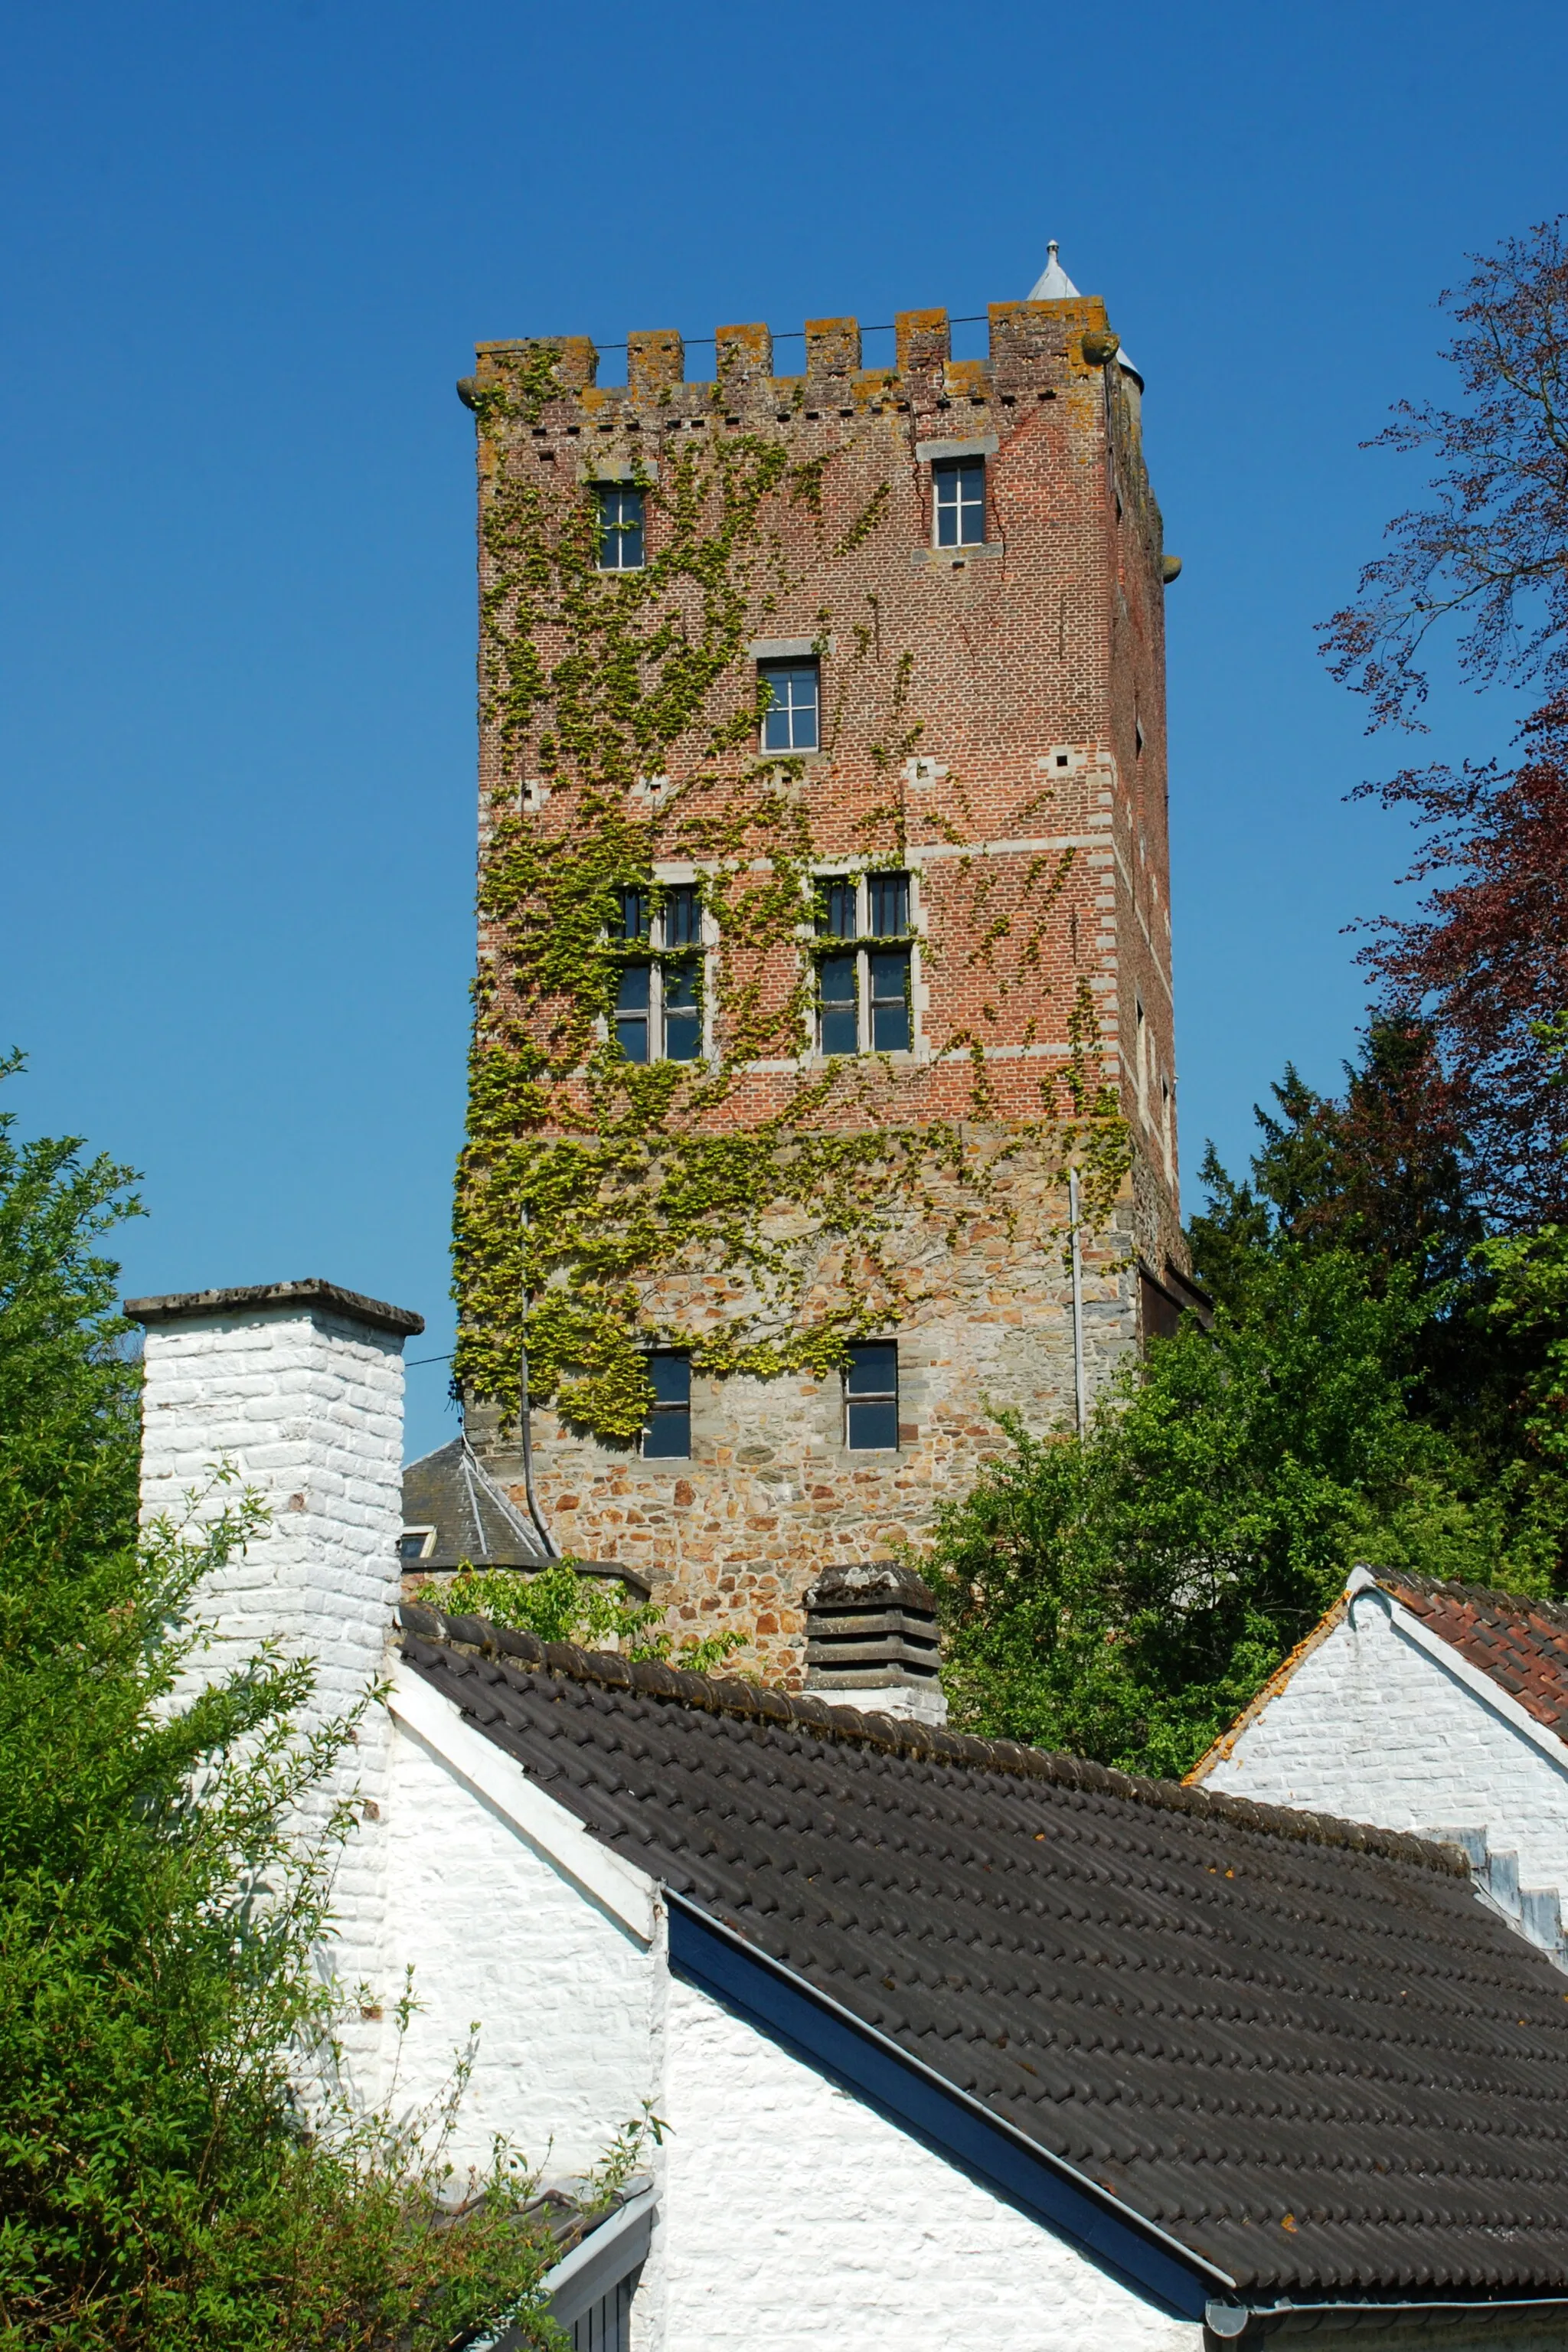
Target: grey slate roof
1303, 2050
474, 1520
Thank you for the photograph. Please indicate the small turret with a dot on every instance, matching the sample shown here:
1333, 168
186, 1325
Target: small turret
1054, 285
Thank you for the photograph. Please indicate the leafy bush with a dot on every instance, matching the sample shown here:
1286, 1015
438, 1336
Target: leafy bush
559, 1603
178, 2166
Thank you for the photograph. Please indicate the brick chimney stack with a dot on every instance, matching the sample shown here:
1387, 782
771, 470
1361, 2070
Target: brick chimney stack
299, 1386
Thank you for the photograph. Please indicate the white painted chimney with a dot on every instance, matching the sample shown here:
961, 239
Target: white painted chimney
299, 1386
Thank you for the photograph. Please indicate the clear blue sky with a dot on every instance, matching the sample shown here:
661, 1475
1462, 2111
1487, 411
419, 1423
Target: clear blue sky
245, 251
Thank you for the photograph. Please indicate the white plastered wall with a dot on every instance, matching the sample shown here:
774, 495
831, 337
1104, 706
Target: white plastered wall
1383, 1723
517, 1924
792, 2215
306, 1405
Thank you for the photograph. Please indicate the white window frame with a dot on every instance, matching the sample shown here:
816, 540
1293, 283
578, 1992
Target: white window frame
602, 491
655, 953
949, 469
765, 668
861, 947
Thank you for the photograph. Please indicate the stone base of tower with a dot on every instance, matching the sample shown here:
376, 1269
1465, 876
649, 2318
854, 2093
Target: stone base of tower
771, 1492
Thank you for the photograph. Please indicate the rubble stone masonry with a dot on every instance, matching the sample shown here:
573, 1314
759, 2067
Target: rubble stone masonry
1032, 668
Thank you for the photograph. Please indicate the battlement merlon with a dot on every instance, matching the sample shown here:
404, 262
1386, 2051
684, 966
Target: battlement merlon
1038, 352
1030, 343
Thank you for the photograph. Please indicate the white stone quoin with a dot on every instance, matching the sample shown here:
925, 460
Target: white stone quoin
299, 1387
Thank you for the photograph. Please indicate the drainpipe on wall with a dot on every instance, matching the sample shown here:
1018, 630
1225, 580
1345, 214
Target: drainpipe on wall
525, 1425
1080, 1395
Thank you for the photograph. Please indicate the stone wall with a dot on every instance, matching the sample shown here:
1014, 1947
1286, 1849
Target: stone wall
1028, 675
771, 1494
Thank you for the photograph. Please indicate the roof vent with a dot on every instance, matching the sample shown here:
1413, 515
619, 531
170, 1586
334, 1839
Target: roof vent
871, 1640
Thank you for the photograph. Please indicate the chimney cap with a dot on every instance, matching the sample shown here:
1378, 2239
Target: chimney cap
863, 1583
257, 1298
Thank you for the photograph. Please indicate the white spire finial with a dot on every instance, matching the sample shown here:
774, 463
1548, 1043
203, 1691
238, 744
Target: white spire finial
1054, 285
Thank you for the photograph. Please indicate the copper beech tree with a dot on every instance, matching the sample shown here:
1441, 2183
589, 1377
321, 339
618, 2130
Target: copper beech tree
1483, 561
1487, 550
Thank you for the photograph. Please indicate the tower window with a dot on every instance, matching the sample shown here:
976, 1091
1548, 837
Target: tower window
620, 526
838, 1003
659, 999
634, 1010
789, 718
667, 1431
891, 1000
872, 1397
958, 501
864, 997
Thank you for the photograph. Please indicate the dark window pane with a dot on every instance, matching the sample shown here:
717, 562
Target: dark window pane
889, 902
632, 915
631, 1012
871, 1396
683, 1037
835, 909
669, 1430
671, 1378
839, 998
682, 918
668, 1434
682, 1013
873, 1424
620, 527
889, 1001
873, 1368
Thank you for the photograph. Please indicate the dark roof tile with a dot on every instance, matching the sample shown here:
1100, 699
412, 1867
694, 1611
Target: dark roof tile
1300, 2045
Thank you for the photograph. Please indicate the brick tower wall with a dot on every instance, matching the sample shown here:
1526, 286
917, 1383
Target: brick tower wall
1005, 701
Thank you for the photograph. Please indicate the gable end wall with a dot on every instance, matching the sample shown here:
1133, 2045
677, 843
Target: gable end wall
1373, 1727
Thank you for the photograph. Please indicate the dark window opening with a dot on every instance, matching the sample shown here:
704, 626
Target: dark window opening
887, 906
789, 721
872, 1397
668, 1433
620, 527
634, 1010
864, 999
891, 1000
631, 914
835, 908
682, 917
838, 1002
958, 501
658, 1004
682, 1013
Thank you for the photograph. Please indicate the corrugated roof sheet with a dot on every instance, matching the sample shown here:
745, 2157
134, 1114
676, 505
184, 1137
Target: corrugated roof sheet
1303, 2049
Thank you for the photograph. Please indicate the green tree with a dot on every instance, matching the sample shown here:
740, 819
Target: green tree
559, 1603
171, 2175
1123, 1595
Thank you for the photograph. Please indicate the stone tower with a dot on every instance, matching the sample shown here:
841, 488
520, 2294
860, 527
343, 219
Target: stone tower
824, 935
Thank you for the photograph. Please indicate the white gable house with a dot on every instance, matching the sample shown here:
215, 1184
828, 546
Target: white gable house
1435, 1708
953, 2047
